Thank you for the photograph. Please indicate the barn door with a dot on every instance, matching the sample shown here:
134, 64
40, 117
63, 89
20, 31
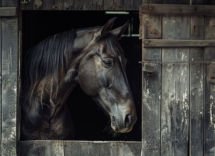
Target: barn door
178, 78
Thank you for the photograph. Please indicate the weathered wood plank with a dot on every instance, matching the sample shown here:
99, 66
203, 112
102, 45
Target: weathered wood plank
8, 11
36, 147
83, 5
151, 91
152, 24
68, 4
177, 43
48, 4
10, 3
177, 9
80, 148
57, 148
151, 94
118, 4
37, 4
108, 5
98, 4
209, 126
9, 85
1, 86
196, 89
196, 102
128, 4
26, 4
175, 89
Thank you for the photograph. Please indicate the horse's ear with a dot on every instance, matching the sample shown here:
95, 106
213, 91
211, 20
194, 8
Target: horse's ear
120, 30
106, 28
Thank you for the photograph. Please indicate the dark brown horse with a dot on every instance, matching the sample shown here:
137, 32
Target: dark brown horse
91, 57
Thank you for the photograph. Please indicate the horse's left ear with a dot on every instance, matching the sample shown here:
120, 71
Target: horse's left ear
106, 28
119, 31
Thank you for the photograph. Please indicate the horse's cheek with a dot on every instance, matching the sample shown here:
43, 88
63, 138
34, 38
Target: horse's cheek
87, 78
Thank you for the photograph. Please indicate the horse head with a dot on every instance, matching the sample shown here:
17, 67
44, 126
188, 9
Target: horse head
101, 74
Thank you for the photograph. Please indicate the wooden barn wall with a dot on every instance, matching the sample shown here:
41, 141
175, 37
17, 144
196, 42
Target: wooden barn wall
178, 112
80, 148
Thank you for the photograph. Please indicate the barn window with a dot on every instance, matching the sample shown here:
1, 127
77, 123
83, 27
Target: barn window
89, 120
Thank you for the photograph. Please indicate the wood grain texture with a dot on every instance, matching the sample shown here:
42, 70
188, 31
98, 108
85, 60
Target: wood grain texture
48, 4
1, 86
118, 4
177, 43
10, 3
152, 25
128, 4
175, 89
80, 148
108, 5
177, 9
9, 85
83, 5
68, 4
98, 4
196, 89
209, 126
26, 4
151, 94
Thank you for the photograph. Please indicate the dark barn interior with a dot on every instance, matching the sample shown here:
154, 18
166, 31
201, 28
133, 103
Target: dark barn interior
89, 120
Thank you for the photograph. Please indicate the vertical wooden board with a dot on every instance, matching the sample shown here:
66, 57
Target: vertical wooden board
152, 25
83, 5
114, 150
176, 27
196, 89
175, 88
36, 147
196, 102
128, 4
209, 55
98, 4
72, 148
102, 148
176, 2
197, 27
9, 85
175, 102
118, 4
151, 94
57, 148
10, 3
108, 4
37, 4
68, 5
48, 4
26, 4
136, 4
131, 149
0, 85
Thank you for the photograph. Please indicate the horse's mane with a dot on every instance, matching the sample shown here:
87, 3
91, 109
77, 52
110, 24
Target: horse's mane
52, 54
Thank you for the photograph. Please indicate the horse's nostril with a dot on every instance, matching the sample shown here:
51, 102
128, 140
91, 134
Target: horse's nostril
127, 120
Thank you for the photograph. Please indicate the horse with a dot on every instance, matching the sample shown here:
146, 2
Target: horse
90, 57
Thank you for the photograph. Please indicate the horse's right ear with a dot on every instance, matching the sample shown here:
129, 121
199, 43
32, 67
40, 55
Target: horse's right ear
106, 28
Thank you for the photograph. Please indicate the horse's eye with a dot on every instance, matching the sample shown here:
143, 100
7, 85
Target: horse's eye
107, 62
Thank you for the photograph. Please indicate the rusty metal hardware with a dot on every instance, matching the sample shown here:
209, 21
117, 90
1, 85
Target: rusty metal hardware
149, 68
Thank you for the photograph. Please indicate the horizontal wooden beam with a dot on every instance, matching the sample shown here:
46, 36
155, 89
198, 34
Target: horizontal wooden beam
148, 43
8, 11
177, 9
